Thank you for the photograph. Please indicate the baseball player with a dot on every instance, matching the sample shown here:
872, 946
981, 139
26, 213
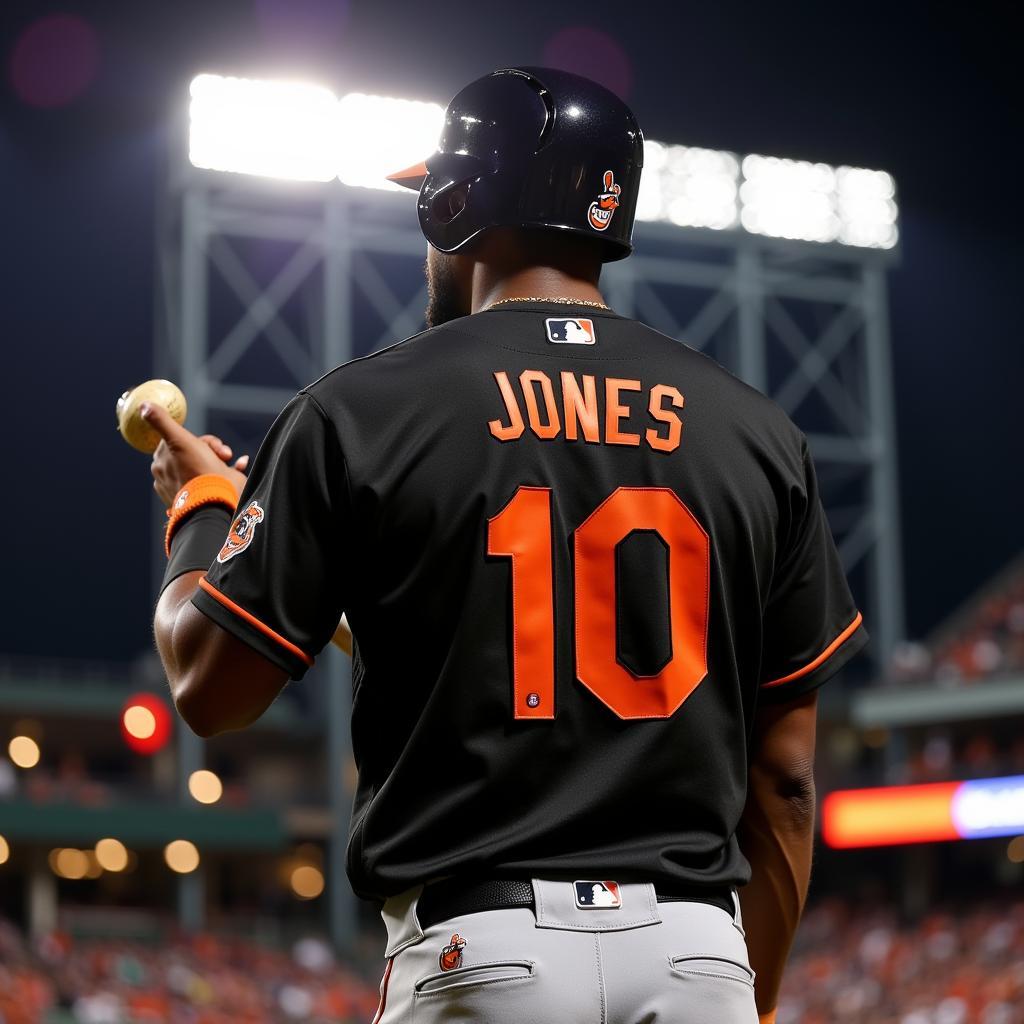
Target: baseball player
592, 591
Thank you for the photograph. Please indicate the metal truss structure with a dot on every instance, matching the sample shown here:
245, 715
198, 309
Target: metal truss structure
264, 285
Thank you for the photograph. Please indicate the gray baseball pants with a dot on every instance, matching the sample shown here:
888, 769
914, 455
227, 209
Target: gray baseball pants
641, 963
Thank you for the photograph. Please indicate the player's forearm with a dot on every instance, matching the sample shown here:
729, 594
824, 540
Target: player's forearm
777, 835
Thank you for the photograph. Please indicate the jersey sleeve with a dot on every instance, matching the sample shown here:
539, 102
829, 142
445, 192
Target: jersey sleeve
278, 583
811, 625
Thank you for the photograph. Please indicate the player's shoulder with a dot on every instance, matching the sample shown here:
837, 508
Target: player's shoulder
434, 357
392, 365
737, 403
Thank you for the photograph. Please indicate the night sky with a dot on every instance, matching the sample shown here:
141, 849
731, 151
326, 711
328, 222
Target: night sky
928, 93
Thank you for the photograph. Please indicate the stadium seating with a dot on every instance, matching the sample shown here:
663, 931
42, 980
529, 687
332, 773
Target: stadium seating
863, 967
851, 966
983, 640
202, 980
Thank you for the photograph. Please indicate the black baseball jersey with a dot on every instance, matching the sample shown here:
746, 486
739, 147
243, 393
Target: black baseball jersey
575, 555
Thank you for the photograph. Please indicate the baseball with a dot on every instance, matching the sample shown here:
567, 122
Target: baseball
134, 429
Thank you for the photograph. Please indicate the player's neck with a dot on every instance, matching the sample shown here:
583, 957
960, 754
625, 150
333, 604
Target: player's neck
530, 282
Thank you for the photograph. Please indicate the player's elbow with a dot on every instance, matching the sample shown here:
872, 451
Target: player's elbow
797, 797
782, 764
194, 705
786, 798
215, 696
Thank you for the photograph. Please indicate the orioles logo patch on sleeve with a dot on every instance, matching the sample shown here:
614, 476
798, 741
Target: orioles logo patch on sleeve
241, 533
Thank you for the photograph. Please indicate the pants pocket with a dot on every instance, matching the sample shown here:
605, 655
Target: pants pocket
713, 967
464, 980
712, 988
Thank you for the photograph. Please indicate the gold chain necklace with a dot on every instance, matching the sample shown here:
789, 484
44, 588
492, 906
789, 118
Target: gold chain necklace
566, 302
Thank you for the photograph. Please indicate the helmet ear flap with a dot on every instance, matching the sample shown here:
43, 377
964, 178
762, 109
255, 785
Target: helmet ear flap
447, 204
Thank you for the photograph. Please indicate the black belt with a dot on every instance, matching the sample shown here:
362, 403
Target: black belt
454, 897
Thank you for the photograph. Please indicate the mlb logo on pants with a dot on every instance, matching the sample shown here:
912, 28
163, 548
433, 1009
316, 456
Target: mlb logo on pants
592, 895
575, 331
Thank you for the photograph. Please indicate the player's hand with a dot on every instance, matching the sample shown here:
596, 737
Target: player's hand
224, 453
181, 455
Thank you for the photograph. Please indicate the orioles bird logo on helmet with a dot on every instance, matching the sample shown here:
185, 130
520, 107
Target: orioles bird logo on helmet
241, 533
603, 208
451, 955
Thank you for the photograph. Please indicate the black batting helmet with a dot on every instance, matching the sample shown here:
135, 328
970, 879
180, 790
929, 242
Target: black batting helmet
532, 148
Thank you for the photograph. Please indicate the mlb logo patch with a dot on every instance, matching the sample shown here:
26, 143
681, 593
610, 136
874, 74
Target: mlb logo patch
591, 895
577, 331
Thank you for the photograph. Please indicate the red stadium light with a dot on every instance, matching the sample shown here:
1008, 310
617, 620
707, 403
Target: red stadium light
145, 723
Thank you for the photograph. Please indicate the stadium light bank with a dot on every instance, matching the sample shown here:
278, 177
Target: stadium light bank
298, 131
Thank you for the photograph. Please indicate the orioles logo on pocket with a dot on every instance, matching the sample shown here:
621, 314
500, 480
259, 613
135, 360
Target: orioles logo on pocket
241, 533
603, 208
451, 955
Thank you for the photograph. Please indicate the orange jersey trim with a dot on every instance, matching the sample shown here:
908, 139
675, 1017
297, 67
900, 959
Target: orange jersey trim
824, 656
205, 584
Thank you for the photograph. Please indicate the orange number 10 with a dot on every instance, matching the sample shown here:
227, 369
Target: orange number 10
522, 532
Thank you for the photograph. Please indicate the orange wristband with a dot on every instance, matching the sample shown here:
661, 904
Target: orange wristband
207, 489
767, 1018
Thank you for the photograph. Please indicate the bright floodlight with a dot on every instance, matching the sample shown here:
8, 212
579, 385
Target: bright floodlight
688, 186
381, 136
818, 203
277, 129
867, 207
789, 199
304, 132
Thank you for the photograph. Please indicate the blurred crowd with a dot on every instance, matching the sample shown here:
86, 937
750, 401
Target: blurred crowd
947, 755
853, 966
850, 966
945, 752
202, 980
986, 640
